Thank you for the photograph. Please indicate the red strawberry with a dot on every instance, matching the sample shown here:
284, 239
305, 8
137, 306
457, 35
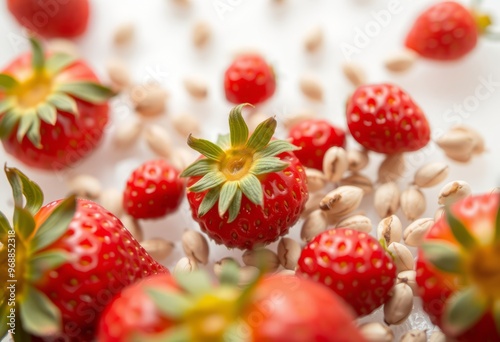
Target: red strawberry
153, 190
351, 263
315, 137
189, 308
247, 190
385, 119
458, 270
249, 79
52, 18
446, 31
69, 258
52, 111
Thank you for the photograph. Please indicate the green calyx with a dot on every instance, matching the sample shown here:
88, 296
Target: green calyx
38, 96
24, 259
232, 167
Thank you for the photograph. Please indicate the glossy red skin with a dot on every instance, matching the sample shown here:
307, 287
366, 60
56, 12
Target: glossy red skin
435, 287
107, 259
72, 137
153, 190
285, 195
249, 79
315, 137
52, 18
383, 118
291, 309
366, 279
142, 317
446, 31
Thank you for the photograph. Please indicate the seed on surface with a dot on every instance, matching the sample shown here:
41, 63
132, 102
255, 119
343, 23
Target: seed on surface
357, 160
202, 32
403, 259
356, 222
413, 203
118, 74
149, 99
85, 186
358, 180
399, 306
124, 34
437, 336
414, 336
219, 265
409, 278
461, 142
438, 214
196, 87
314, 39
316, 180
376, 332
158, 140
185, 264
453, 192
288, 253
386, 199
261, 258
133, 227
127, 132
431, 174
311, 87
342, 201
314, 224
186, 124
312, 203
335, 163
415, 233
158, 248
392, 168
354, 73
195, 246
112, 200
390, 229
401, 61
247, 275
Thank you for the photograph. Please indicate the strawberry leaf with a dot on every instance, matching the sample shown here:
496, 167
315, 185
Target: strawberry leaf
206, 148
33, 133
58, 62
173, 305
24, 223
276, 147
4, 312
262, 134
195, 283
4, 224
63, 102
268, 165
230, 274
234, 208
47, 112
223, 141
7, 82
233, 333
252, 189
38, 314
199, 168
25, 123
459, 230
56, 224
6, 104
38, 58
21, 184
16, 186
227, 193
443, 256
208, 201
237, 127
496, 314
43, 262
209, 181
87, 91
7, 123
465, 309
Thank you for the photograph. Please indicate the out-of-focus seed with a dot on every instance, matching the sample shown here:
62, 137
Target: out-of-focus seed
357, 160
312, 203
438, 214
65, 46
219, 265
195, 246
186, 124
261, 258
314, 224
413, 203
185, 264
399, 306
124, 34
392, 168
453, 192
288, 253
149, 99
247, 275
316, 180
431, 174
376, 332
401, 61
390, 229
202, 32
196, 87
118, 74
386, 199
158, 140
127, 132
311, 87
85, 186
112, 200
314, 39
158, 248
354, 73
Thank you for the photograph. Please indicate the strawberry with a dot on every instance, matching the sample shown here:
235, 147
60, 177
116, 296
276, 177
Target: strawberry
53, 111
189, 308
351, 263
64, 262
52, 18
315, 137
249, 79
446, 31
153, 190
385, 119
458, 270
245, 190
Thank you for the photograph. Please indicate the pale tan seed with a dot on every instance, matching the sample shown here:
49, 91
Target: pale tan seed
316, 180
357, 160
392, 168
313, 40
403, 259
314, 224
65, 46
409, 278
358, 180
182, 3
127, 132
219, 265
288, 253
414, 336
354, 73
437, 336
401, 61
247, 50
479, 144
399, 306
118, 74
195, 246
263, 258
376, 332
413, 203
439, 213
390, 229
431, 174
186, 124
453, 192
185, 265
312, 203
386, 199
196, 87
85, 186
357, 222
342, 201
112, 200
457, 145
311, 87
149, 99
124, 34
158, 248
158, 140
335, 163
247, 275
415, 233
202, 33
296, 118
133, 226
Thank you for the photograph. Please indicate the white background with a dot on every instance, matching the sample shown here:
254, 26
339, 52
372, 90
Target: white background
162, 50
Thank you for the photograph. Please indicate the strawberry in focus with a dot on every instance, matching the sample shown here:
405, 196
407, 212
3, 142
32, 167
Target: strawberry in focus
69, 257
153, 190
458, 270
53, 111
351, 263
50, 19
385, 119
446, 31
249, 79
246, 190
314, 137
187, 307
